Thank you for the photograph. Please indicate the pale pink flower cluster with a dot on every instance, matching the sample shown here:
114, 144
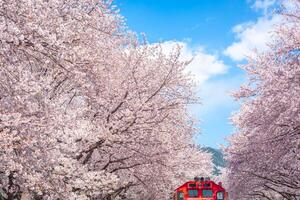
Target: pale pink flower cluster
86, 111
264, 154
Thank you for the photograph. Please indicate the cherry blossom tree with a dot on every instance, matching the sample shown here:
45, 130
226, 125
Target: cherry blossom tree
86, 110
263, 156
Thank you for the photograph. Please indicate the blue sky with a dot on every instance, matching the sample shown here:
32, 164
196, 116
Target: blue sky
219, 34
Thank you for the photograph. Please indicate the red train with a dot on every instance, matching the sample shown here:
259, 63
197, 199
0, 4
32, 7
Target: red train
201, 189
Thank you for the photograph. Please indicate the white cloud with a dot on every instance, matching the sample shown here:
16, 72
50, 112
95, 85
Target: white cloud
255, 35
203, 65
250, 36
216, 94
263, 4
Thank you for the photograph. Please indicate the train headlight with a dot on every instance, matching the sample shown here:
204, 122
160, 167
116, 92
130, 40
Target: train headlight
220, 196
180, 196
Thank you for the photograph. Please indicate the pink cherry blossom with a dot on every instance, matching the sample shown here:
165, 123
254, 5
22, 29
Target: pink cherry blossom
264, 154
86, 110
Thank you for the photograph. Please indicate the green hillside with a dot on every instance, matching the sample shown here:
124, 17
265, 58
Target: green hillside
218, 158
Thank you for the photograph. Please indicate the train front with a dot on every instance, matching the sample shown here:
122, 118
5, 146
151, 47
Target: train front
200, 189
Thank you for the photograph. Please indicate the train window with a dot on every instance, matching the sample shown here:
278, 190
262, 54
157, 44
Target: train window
192, 193
180, 195
207, 193
192, 185
220, 196
206, 185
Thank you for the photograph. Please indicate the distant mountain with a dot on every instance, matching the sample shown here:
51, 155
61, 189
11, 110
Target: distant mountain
217, 157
